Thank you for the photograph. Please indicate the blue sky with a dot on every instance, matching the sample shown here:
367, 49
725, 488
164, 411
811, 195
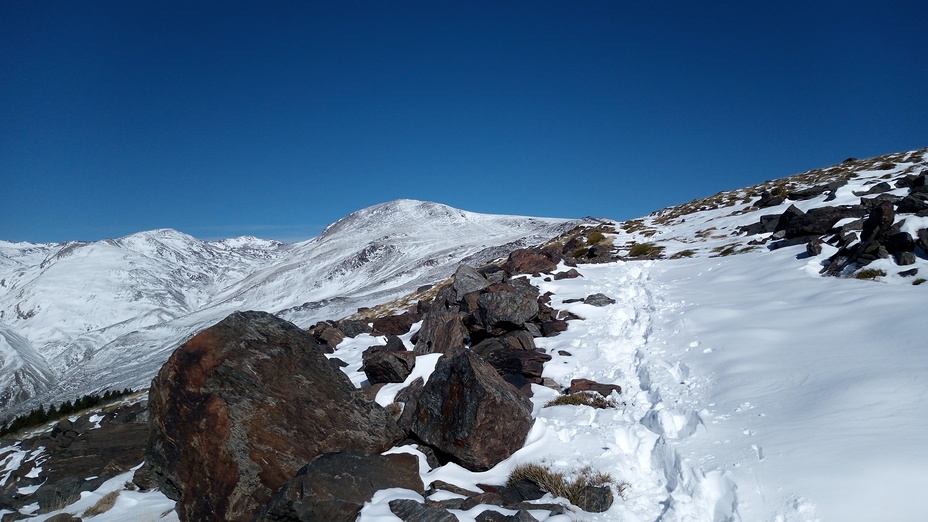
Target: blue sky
276, 118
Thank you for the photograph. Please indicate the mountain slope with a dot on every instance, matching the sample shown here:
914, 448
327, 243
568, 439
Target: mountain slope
108, 313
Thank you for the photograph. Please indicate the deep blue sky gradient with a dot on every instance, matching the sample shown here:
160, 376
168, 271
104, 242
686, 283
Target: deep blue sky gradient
276, 118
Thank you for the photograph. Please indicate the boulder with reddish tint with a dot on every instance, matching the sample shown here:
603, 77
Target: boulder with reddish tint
242, 406
394, 324
585, 385
531, 261
468, 413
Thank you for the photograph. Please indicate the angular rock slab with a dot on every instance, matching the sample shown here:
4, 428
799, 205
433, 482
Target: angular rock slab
335, 486
470, 414
237, 410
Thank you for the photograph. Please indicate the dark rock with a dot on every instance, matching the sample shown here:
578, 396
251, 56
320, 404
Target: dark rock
553, 327
444, 308
811, 192
791, 213
595, 499
900, 242
143, 479
570, 274
527, 363
911, 181
905, 258
335, 486
495, 516
588, 385
766, 225
598, 300
239, 408
768, 200
469, 413
531, 261
467, 280
506, 309
878, 223
353, 328
390, 363
814, 247
450, 338
447, 486
490, 497
922, 240
411, 511
328, 335
61, 492
871, 203
409, 397
63, 517
913, 203
879, 188
909, 273
394, 324
821, 220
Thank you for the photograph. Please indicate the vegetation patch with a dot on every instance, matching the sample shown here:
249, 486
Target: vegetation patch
645, 251
683, 253
870, 273
40, 415
573, 487
103, 505
918, 281
593, 400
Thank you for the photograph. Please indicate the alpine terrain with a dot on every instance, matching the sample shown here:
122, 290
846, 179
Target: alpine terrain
756, 355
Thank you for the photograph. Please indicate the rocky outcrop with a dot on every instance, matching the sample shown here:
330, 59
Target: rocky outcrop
242, 406
394, 324
335, 486
76, 456
470, 413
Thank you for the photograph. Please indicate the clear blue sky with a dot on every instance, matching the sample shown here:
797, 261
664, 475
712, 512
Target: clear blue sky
276, 118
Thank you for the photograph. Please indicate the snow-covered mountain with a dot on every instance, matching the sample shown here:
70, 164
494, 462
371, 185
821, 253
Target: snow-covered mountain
84, 316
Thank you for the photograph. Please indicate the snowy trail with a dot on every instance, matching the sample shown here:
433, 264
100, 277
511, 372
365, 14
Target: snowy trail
625, 343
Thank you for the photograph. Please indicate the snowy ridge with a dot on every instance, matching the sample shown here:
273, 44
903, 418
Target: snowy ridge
108, 313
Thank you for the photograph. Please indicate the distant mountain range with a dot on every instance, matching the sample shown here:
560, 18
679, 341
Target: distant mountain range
78, 317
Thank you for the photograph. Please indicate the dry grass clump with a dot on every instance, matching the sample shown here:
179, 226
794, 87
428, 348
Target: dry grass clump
645, 251
918, 281
594, 400
103, 505
683, 253
572, 487
870, 274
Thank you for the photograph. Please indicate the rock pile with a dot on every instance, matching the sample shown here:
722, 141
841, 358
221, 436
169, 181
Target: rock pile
868, 231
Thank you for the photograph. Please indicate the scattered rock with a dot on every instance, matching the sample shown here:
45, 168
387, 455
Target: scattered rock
768, 200
470, 414
585, 385
599, 300
390, 363
814, 247
879, 188
237, 410
394, 324
335, 486
570, 274
411, 511
353, 327
327, 334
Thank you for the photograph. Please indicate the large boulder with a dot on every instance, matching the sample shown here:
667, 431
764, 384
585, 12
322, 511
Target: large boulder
878, 223
470, 414
505, 308
335, 486
238, 409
